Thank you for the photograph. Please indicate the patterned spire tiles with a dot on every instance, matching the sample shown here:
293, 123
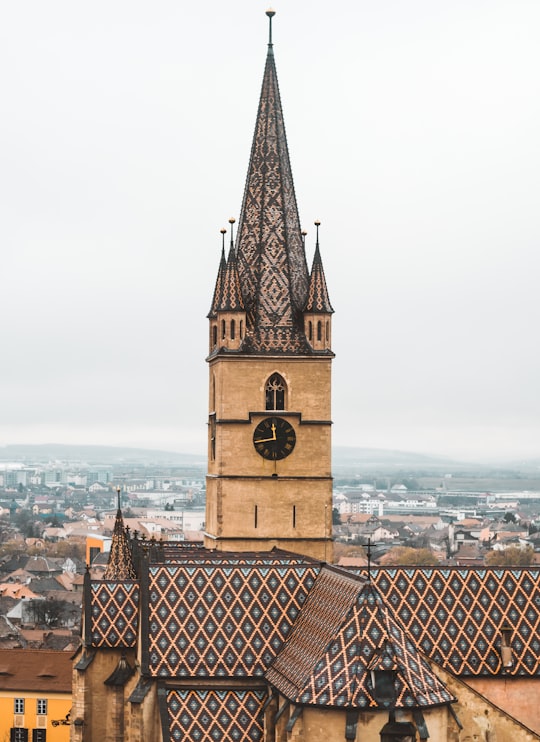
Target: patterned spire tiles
270, 252
120, 564
231, 294
216, 299
318, 299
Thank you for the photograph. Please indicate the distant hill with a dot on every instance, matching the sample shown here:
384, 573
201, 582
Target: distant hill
348, 457
95, 455
344, 458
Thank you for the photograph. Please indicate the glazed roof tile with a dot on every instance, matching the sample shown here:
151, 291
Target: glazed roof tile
336, 639
318, 299
231, 295
223, 619
455, 615
219, 284
120, 564
269, 246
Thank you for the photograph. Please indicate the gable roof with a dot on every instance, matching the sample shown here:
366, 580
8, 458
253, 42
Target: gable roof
336, 640
40, 670
455, 615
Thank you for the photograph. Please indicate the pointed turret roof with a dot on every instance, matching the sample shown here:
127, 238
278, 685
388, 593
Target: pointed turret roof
219, 280
120, 564
269, 248
231, 294
318, 299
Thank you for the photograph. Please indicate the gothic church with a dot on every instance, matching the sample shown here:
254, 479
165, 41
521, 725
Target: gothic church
256, 636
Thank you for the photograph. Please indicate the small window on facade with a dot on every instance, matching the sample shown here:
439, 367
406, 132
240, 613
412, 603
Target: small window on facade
241, 329
223, 328
39, 735
310, 331
41, 706
18, 734
275, 393
214, 335
319, 330
233, 329
19, 705
327, 332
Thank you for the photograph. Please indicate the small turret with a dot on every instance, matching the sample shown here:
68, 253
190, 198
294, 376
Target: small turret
228, 315
120, 564
318, 310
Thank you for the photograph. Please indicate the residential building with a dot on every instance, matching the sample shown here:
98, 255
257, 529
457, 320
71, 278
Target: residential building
35, 695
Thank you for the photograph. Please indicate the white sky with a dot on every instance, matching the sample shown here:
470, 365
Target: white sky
413, 130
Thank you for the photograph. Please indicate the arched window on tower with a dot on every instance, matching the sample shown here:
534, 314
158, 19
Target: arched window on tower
233, 329
214, 335
223, 329
310, 331
275, 393
319, 330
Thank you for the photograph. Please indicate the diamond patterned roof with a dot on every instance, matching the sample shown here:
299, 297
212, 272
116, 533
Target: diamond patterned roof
338, 635
114, 613
223, 618
269, 247
455, 615
208, 715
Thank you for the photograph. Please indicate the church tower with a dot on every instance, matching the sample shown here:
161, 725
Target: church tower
269, 479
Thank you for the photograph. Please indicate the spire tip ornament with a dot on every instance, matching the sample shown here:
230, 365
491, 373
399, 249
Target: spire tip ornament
270, 13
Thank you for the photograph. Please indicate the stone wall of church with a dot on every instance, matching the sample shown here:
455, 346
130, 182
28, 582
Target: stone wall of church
519, 697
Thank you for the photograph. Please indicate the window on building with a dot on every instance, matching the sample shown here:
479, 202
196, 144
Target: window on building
19, 706
223, 329
18, 734
275, 393
233, 329
39, 735
319, 330
41, 706
214, 335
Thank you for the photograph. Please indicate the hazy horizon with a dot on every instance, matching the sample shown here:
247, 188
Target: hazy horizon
413, 135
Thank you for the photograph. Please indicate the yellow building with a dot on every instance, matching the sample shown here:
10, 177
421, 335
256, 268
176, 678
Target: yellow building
35, 695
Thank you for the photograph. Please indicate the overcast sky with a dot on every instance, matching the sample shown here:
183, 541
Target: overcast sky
413, 130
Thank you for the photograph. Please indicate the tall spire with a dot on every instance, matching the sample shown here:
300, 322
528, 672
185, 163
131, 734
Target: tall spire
269, 248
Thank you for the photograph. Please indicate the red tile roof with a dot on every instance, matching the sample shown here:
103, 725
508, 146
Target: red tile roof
46, 671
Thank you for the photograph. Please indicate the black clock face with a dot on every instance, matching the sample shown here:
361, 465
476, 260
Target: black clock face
274, 438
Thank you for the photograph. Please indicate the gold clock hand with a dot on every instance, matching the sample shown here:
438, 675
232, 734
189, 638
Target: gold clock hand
265, 440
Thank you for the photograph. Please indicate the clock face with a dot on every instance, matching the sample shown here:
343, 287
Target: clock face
274, 438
